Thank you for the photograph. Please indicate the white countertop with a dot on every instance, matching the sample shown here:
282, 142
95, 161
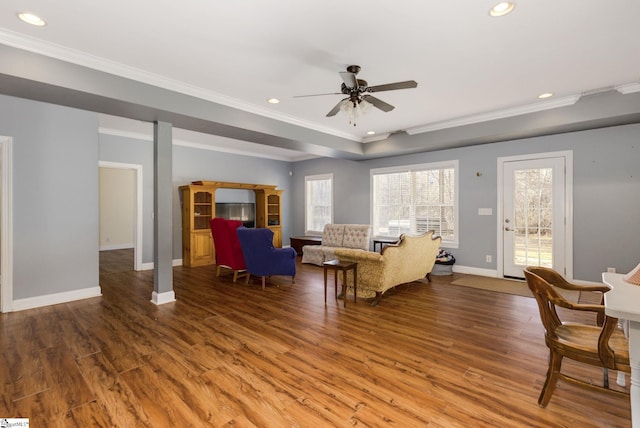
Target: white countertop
623, 301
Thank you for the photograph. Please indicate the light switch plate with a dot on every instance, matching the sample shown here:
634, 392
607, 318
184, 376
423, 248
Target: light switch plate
485, 211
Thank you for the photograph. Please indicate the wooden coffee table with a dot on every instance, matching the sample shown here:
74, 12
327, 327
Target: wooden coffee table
337, 265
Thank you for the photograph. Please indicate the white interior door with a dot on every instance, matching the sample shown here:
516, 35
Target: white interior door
534, 215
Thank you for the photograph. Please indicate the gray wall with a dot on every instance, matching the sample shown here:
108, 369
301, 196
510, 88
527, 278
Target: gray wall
190, 164
56, 152
350, 190
139, 152
55, 196
606, 195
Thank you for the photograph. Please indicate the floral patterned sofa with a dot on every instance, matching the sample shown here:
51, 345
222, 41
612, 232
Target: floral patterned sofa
411, 259
353, 236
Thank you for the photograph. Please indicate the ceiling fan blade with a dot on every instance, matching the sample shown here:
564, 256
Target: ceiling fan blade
378, 103
349, 79
336, 109
391, 86
318, 95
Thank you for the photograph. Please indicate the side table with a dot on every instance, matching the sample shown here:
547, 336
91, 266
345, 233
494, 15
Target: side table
297, 242
382, 241
337, 265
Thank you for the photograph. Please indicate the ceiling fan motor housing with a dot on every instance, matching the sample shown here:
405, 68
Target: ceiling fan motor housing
362, 87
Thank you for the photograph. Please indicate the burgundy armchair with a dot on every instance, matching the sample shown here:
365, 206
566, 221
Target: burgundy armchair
228, 251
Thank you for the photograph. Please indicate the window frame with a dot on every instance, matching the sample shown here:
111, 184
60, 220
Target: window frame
454, 164
307, 179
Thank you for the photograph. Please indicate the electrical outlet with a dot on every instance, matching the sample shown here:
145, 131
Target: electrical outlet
611, 270
488, 258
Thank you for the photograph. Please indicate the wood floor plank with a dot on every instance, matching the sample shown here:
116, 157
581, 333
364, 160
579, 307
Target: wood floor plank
63, 377
431, 354
115, 400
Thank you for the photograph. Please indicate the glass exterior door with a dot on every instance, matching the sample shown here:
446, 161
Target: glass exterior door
533, 215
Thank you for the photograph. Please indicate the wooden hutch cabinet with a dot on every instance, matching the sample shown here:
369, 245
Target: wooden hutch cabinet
269, 212
199, 206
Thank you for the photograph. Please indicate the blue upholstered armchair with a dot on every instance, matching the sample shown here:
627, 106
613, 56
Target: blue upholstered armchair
262, 258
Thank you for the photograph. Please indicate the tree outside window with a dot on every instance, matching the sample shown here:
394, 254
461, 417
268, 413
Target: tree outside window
414, 199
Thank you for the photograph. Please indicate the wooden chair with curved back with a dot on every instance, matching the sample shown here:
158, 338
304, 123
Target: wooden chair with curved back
602, 345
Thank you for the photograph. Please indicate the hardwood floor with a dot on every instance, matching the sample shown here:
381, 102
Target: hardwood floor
225, 354
113, 261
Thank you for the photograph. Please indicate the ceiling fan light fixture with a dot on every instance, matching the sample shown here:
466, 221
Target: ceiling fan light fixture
354, 109
502, 8
32, 19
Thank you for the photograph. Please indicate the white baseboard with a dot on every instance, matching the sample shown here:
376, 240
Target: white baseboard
162, 298
476, 271
150, 265
116, 247
54, 299
494, 274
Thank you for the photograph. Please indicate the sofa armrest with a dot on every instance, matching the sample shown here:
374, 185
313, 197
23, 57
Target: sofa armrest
358, 255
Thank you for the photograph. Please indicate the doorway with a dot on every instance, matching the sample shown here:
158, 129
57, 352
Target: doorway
129, 188
534, 207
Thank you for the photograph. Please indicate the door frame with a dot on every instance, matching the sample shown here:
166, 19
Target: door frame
6, 225
568, 206
137, 245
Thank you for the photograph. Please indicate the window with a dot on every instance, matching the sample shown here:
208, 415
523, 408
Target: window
415, 199
319, 202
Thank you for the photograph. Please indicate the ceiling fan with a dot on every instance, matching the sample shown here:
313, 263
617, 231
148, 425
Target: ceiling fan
357, 91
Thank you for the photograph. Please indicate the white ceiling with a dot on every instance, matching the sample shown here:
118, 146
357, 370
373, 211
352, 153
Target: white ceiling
468, 65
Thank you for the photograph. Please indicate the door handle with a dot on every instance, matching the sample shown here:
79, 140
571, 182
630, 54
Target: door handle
508, 229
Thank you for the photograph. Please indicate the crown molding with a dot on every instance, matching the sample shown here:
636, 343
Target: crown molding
94, 62
629, 88
377, 137
500, 114
143, 136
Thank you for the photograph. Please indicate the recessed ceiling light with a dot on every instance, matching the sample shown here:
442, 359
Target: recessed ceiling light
273, 101
502, 8
545, 95
371, 132
32, 19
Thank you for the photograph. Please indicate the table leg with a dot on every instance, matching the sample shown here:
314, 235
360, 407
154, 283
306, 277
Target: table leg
634, 356
325, 285
355, 283
344, 286
335, 283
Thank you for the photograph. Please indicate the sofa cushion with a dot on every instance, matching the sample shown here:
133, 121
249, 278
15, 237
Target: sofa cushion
356, 236
332, 235
313, 254
352, 236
